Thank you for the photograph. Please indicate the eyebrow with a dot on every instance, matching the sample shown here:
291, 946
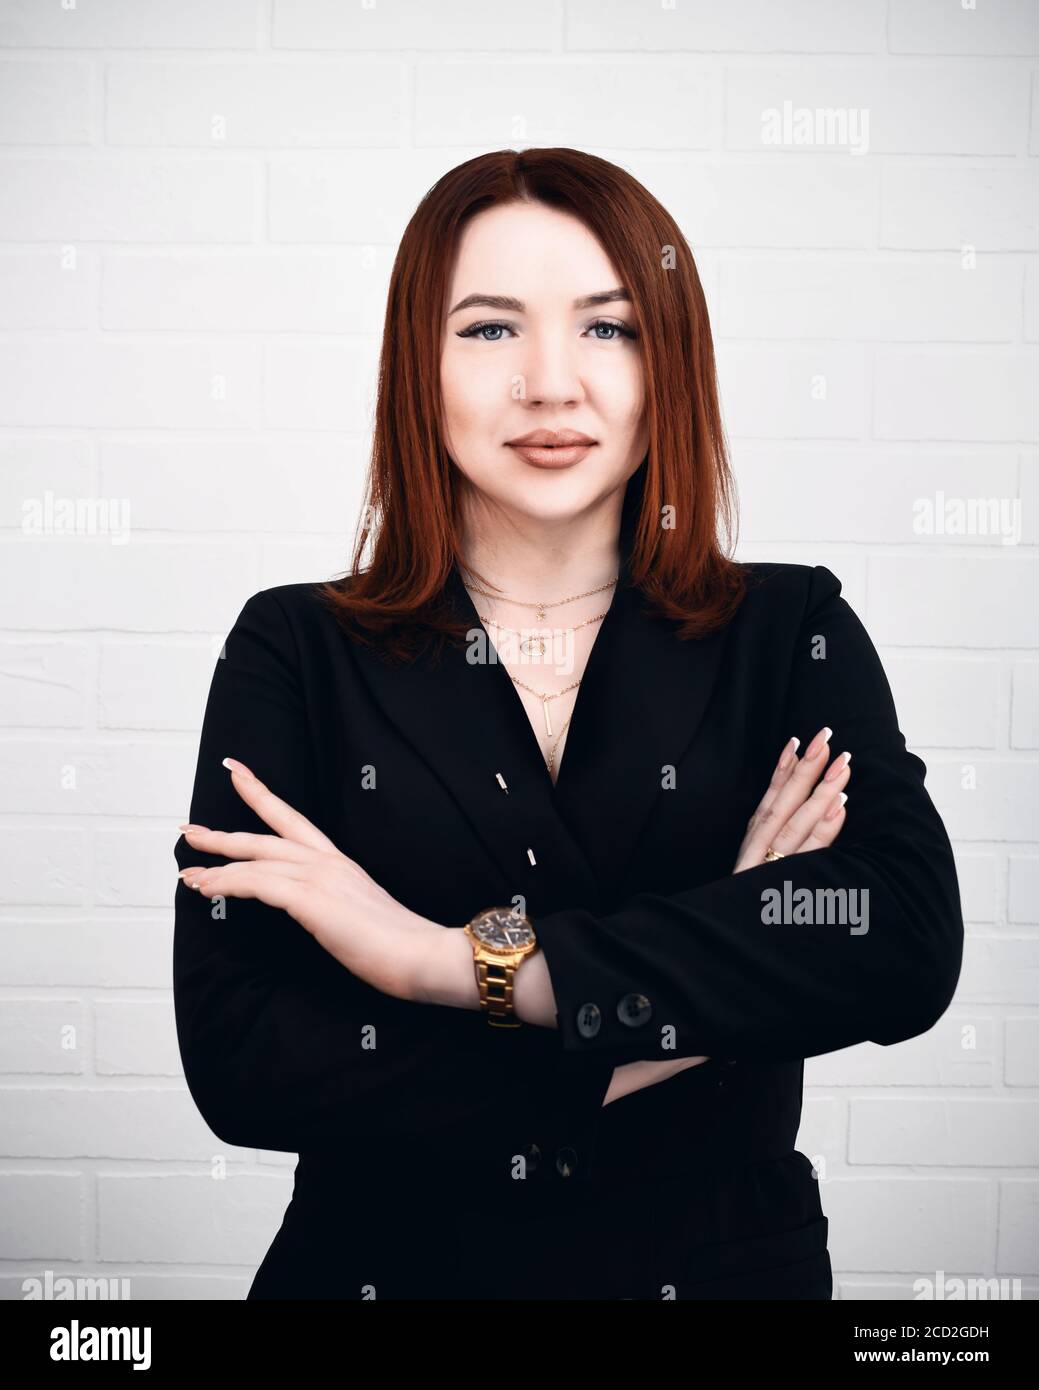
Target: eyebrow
504, 301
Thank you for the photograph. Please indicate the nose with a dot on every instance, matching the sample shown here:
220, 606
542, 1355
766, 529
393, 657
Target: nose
550, 371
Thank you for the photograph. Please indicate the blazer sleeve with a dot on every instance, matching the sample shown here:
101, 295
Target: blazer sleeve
734, 986
282, 1047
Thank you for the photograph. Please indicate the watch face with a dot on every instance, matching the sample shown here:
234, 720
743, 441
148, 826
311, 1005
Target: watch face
502, 929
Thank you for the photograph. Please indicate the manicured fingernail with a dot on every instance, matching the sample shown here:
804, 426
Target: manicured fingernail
835, 808
233, 765
788, 753
818, 743
189, 827
837, 767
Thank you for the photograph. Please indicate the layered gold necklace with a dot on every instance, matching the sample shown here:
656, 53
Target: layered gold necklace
535, 645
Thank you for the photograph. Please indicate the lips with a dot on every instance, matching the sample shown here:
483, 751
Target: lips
551, 439
552, 448
562, 456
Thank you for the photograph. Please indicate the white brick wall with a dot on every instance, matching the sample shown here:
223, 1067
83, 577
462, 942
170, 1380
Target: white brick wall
201, 204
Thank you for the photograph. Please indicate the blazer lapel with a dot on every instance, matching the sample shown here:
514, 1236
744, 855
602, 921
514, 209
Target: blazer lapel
641, 698
640, 702
469, 725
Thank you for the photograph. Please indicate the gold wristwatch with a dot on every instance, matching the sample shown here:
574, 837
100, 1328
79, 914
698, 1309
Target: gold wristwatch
502, 939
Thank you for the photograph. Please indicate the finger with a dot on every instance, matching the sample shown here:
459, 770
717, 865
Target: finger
303, 902
242, 844
791, 836
278, 814
826, 829
792, 794
781, 773
230, 879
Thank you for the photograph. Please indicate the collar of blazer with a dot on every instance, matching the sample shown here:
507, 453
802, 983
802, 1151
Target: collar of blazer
640, 701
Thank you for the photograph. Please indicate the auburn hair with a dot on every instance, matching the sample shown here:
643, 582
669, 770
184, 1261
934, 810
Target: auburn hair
412, 505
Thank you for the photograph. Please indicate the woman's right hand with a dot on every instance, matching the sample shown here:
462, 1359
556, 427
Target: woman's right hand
791, 817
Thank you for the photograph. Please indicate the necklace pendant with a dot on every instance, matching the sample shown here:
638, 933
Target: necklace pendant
533, 646
548, 718
541, 613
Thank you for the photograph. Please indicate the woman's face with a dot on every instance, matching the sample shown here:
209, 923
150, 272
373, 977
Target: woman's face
543, 361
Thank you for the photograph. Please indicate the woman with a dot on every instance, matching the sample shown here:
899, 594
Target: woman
550, 694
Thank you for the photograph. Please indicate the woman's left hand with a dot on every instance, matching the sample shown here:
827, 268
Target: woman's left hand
301, 870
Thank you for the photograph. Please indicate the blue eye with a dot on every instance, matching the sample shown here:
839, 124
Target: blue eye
480, 328
620, 329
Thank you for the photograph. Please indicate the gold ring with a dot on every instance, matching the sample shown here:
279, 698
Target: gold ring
771, 854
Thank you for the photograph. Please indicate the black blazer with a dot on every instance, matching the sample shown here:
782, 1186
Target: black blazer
439, 1157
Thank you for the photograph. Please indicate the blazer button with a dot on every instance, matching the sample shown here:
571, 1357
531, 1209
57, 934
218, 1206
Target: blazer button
589, 1020
566, 1162
634, 1010
532, 1156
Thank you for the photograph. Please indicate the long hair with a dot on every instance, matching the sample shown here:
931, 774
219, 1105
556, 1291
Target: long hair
413, 494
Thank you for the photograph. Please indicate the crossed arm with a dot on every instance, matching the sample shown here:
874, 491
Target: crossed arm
412, 958
271, 1032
